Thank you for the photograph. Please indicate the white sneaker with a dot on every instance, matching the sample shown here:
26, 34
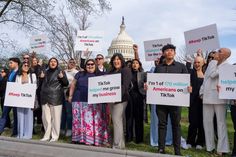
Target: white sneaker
68, 133
53, 140
189, 145
183, 143
44, 139
199, 147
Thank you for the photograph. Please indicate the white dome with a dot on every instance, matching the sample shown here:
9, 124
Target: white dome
123, 44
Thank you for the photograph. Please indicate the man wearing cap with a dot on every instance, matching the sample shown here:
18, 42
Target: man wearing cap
100, 61
169, 65
13, 65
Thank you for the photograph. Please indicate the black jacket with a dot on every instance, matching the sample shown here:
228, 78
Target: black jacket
126, 76
3, 84
52, 87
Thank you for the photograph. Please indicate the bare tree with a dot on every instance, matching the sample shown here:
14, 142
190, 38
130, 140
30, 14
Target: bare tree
181, 55
62, 35
41, 16
25, 14
32, 14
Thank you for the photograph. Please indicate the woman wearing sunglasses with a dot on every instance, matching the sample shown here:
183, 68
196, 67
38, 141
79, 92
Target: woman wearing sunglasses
90, 121
25, 115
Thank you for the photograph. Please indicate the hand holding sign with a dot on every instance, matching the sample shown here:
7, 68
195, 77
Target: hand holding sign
42, 75
60, 75
190, 89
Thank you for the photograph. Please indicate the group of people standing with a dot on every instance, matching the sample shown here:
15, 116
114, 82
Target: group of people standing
62, 102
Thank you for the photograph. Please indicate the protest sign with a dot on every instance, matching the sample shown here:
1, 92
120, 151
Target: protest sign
168, 89
89, 40
20, 95
104, 89
227, 82
39, 43
153, 48
205, 38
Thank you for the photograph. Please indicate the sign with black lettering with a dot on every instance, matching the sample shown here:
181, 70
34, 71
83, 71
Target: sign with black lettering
164, 90
89, 40
153, 48
104, 89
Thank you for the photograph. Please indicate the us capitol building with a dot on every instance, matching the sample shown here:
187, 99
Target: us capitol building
123, 44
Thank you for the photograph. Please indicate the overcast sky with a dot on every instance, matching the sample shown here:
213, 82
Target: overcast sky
156, 19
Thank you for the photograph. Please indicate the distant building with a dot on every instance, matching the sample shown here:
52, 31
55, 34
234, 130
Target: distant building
123, 44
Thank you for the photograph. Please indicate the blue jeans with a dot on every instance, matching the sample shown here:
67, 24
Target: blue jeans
6, 111
154, 128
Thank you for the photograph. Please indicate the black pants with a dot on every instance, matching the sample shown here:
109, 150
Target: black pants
38, 111
196, 134
233, 116
134, 117
175, 116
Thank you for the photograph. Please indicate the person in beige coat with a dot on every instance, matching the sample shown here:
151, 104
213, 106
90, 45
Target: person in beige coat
212, 104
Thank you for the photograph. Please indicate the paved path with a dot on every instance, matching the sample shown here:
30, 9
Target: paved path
12, 147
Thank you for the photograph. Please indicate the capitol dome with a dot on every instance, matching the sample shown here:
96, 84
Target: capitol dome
123, 44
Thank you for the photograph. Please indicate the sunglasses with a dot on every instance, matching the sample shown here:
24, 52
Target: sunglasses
210, 58
26, 58
92, 64
99, 58
2, 71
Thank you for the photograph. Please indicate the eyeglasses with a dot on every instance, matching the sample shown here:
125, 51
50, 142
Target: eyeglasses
88, 64
2, 71
99, 58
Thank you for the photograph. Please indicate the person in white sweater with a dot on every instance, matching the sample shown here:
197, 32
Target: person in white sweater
212, 104
25, 115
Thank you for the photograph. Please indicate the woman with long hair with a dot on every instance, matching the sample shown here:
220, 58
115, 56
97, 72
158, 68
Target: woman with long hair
118, 108
25, 115
135, 107
89, 121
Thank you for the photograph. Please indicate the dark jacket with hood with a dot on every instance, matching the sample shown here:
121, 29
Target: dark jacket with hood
52, 86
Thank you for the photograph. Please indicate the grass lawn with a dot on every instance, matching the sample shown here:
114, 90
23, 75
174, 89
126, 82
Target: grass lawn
146, 145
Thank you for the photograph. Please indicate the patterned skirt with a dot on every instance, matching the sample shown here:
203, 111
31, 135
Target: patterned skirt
90, 124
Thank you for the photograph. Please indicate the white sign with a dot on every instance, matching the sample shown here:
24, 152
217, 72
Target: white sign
168, 89
20, 95
104, 89
153, 48
205, 38
89, 41
227, 82
39, 43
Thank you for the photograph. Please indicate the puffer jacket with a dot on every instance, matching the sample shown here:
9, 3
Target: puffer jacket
52, 87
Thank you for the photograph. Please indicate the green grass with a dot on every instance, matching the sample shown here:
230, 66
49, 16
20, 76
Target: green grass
145, 146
